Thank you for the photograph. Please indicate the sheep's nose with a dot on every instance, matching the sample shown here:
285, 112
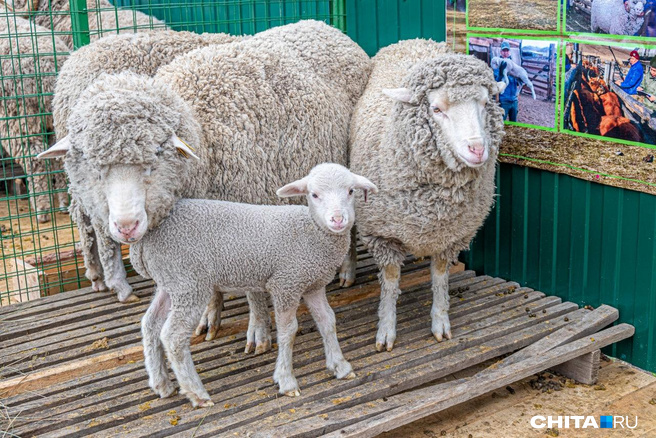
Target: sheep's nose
126, 228
337, 219
477, 147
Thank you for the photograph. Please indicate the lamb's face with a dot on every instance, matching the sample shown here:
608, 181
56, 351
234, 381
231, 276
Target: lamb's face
330, 191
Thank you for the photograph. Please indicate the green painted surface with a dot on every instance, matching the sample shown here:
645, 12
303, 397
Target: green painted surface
379, 23
585, 242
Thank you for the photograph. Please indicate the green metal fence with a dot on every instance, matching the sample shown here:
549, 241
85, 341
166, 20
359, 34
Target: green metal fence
38, 239
585, 242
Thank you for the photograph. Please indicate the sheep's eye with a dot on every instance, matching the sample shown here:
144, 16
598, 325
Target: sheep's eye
315, 196
351, 192
436, 110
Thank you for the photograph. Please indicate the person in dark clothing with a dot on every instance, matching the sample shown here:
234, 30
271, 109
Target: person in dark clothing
508, 99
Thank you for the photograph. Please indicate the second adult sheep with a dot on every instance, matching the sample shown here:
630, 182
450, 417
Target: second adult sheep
426, 131
288, 251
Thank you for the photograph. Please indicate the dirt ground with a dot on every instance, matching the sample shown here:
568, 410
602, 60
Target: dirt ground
536, 112
514, 14
577, 21
621, 390
597, 158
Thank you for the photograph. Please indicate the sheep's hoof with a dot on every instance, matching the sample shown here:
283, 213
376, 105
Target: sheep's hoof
440, 338
205, 404
262, 347
98, 285
211, 333
294, 393
350, 376
43, 217
250, 346
132, 298
165, 389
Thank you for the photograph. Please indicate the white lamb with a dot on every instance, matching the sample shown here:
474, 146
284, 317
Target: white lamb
617, 17
513, 69
288, 251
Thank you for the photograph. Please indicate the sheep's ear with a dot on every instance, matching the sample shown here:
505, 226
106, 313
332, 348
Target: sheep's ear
296, 188
401, 94
58, 149
183, 148
500, 88
365, 185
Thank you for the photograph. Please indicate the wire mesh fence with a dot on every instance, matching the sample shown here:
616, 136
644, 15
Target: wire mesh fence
39, 255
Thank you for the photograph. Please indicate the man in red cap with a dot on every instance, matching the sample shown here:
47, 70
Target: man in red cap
634, 77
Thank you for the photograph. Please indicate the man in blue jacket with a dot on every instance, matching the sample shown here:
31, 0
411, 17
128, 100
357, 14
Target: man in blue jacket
635, 75
508, 99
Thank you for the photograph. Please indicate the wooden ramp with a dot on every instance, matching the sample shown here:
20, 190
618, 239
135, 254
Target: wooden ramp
72, 364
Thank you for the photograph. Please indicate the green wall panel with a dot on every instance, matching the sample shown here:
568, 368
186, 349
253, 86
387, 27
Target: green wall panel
379, 23
585, 242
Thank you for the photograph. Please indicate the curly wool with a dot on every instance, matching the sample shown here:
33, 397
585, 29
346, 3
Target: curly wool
142, 53
428, 200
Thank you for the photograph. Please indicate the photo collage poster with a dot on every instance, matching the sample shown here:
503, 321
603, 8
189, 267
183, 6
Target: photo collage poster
580, 80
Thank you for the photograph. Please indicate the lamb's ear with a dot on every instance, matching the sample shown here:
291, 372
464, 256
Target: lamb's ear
296, 188
183, 147
401, 94
58, 149
501, 86
365, 185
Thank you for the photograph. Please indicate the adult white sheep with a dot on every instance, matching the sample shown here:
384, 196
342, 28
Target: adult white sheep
617, 17
288, 251
104, 18
426, 131
250, 109
29, 62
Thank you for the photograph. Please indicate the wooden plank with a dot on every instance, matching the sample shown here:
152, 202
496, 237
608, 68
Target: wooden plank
420, 403
123, 336
255, 368
584, 369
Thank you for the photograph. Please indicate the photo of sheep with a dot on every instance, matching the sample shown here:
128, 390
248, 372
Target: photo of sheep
610, 92
542, 15
528, 68
613, 17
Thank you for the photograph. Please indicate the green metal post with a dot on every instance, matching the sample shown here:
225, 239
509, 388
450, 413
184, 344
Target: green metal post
79, 23
338, 14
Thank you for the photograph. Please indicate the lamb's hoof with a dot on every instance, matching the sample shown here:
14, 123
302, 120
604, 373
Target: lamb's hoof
132, 298
262, 347
385, 339
250, 346
441, 327
165, 389
294, 393
350, 376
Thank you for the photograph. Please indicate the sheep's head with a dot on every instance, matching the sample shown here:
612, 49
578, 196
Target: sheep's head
635, 8
330, 191
450, 98
124, 154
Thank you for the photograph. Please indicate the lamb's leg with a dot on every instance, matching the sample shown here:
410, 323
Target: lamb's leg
112, 263
175, 337
211, 319
89, 245
325, 319
38, 180
286, 325
389, 256
441, 327
347, 270
259, 323
151, 328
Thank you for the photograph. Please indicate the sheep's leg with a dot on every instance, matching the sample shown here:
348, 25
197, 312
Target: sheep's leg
441, 327
259, 323
324, 317
112, 263
347, 270
389, 255
211, 319
60, 184
89, 245
286, 325
175, 337
38, 180
151, 328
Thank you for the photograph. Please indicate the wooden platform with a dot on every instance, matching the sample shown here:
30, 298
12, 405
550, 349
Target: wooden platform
71, 364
